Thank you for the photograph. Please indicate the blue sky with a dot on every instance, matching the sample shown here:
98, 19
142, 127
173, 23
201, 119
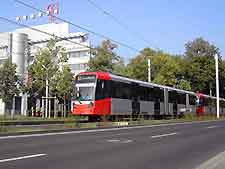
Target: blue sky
166, 24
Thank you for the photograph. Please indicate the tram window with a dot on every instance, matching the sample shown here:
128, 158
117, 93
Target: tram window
150, 94
145, 93
157, 94
172, 96
102, 89
121, 90
181, 98
192, 99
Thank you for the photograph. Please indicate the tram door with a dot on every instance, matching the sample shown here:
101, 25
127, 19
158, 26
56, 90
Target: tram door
135, 98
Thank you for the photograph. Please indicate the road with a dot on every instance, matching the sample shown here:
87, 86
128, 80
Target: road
176, 146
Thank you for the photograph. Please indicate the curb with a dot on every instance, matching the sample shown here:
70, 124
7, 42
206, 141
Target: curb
99, 127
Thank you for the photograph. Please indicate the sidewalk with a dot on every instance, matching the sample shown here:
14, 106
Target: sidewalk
217, 162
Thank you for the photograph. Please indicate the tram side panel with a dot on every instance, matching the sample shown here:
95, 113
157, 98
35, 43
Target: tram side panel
121, 103
121, 106
146, 100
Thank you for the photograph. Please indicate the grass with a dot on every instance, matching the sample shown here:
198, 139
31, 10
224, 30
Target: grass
72, 124
28, 118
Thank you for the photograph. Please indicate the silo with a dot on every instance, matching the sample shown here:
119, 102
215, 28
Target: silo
18, 52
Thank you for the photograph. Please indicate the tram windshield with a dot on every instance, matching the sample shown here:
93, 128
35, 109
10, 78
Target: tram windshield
85, 93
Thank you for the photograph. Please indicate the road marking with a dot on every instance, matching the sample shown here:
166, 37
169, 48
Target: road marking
163, 135
126, 141
119, 141
211, 127
21, 158
120, 134
100, 130
113, 140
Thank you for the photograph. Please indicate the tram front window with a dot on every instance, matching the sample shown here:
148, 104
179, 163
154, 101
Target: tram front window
85, 93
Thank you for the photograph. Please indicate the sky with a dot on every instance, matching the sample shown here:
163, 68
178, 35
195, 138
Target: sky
165, 24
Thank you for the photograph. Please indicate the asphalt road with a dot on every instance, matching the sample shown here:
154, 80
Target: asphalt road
180, 146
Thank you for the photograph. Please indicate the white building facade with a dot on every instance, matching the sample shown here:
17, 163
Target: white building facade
15, 45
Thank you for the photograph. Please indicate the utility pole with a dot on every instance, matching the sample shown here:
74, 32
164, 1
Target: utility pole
149, 70
217, 88
46, 95
46, 91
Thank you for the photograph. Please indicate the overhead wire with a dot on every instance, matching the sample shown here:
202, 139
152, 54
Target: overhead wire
41, 31
119, 22
80, 27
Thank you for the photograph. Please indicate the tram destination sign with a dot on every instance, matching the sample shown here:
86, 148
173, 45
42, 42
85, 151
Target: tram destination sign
86, 78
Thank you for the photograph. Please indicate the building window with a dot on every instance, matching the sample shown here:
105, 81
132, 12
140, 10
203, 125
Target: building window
78, 54
81, 66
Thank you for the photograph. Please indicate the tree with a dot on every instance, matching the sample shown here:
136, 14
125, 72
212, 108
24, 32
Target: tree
200, 71
137, 67
9, 81
166, 69
105, 59
47, 62
200, 48
62, 85
48, 65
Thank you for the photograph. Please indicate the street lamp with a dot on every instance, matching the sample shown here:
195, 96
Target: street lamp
217, 88
149, 70
46, 91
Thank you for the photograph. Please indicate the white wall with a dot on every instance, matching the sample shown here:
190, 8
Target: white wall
60, 29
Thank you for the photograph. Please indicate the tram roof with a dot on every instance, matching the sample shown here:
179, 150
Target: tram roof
108, 76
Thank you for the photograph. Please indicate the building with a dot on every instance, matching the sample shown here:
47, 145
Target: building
22, 44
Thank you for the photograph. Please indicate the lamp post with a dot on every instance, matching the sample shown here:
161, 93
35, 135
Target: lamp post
217, 88
46, 91
149, 70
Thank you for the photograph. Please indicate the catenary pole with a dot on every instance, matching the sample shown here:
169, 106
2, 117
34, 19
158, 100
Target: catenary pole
217, 88
149, 70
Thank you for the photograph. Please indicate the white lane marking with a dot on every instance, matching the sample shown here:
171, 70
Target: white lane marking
119, 134
113, 140
21, 158
126, 141
163, 135
211, 127
119, 141
101, 130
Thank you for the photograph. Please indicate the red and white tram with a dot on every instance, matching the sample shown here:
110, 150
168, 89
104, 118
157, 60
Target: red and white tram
105, 94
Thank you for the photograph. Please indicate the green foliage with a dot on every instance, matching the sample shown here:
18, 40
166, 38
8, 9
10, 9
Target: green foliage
200, 55
9, 81
105, 59
137, 67
202, 71
200, 48
165, 68
46, 65
184, 84
62, 82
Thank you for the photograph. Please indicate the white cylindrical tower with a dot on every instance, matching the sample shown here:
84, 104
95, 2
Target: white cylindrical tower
19, 46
